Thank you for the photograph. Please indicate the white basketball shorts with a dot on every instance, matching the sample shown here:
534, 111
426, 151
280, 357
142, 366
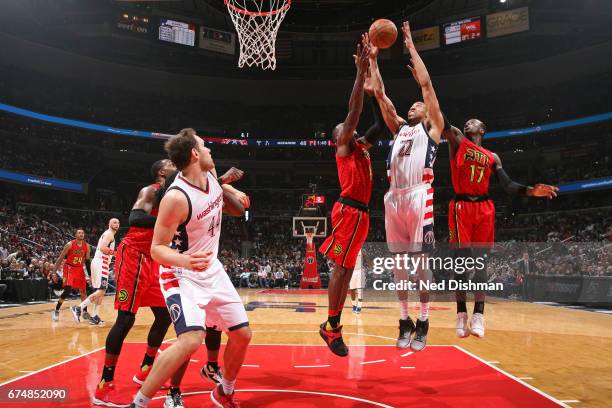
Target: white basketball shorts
409, 219
199, 299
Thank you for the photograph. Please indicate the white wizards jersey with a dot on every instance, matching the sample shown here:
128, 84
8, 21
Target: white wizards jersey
99, 254
411, 159
201, 230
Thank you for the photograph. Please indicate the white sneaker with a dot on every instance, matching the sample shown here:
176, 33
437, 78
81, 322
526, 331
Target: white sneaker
55, 315
477, 327
461, 327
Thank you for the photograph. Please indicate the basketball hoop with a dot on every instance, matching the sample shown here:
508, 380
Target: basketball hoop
309, 232
257, 23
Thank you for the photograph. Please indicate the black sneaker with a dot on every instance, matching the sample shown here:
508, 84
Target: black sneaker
420, 338
95, 321
211, 373
86, 315
333, 339
406, 328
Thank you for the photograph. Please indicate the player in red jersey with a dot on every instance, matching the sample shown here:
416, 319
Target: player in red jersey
75, 255
471, 214
350, 215
137, 285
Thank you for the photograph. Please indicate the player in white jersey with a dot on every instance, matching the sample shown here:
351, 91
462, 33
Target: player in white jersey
193, 281
100, 268
357, 284
409, 201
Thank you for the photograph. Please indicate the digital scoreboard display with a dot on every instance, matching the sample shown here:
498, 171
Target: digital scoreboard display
461, 31
177, 32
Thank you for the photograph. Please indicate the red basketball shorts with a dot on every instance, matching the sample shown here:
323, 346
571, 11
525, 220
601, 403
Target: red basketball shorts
349, 231
137, 280
471, 224
74, 276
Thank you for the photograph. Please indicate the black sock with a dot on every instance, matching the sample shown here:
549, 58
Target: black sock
85, 309
174, 390
461, 307
108, 373
57, 306
213, 364
334, 321
147, 360
479, 307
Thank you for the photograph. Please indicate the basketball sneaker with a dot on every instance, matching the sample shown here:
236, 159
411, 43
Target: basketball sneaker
333, 339
211, 373
107, 396
354, 309
477, 327
55, 315
140, 377
86, 315
406, 328
221, 400
174, 400
76, 314
95, 321
420, 335
358, 310
461, 326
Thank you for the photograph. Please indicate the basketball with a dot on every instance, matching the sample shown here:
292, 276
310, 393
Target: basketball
383, 33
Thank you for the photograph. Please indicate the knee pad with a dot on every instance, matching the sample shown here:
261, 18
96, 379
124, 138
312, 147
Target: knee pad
125, 321
213, 339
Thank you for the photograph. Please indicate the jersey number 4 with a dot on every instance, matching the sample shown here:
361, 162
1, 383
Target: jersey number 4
214, 224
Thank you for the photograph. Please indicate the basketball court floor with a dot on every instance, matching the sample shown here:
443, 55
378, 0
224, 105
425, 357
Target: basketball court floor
532, 356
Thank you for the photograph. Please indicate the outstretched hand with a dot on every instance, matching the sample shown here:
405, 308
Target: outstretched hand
544, 190
362, 54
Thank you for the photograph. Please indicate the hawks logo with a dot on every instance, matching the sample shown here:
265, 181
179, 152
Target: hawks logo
337, 249
123, 295
310, 260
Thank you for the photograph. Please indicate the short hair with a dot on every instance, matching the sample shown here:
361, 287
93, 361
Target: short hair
156, 167
80, 229
179, 147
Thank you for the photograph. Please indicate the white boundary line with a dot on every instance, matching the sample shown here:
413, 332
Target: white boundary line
312, 366
327, 394
51, 366
531, 387
372, 362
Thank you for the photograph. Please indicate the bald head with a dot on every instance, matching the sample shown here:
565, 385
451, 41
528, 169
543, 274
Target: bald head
113, 224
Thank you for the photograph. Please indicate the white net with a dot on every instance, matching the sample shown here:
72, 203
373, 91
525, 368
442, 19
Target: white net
257, 23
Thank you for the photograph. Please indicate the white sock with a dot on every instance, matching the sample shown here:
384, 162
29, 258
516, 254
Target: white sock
85, 303
359, 303
141, 401
228, 386
424, 313
403, 309
353, 302
359, 294
95, 310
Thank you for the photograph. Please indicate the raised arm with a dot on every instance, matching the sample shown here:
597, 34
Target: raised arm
419, 72
512, 187
389, 114
235, 202
454, 137
378, 129
140, 216
347, 131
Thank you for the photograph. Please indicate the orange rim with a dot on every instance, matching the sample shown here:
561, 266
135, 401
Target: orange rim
257, 13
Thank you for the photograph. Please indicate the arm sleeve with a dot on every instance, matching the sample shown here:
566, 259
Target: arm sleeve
379, 128
509, 186
88, 265
139, 218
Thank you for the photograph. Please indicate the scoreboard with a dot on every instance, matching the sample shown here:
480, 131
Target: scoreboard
461, 31
177, 32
